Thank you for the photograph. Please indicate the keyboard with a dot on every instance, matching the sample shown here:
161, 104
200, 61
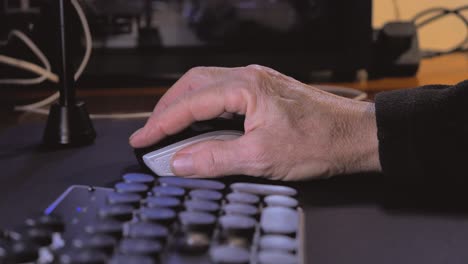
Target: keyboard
148, 219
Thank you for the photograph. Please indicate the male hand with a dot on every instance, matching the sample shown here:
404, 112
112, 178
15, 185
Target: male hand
292, 131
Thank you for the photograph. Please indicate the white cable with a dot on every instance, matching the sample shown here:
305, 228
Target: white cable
88, 38
81, 68
37, 52
29, 67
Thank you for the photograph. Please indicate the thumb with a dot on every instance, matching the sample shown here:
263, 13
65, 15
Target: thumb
208, 159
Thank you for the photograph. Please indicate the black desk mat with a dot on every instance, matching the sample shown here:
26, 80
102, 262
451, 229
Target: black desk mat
345, 221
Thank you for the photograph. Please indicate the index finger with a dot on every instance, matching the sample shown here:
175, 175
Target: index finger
203, 104
196, 78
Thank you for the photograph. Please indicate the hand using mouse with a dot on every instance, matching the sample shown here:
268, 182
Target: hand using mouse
293, 131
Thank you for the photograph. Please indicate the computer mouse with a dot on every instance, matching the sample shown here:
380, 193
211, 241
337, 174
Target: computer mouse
157, 158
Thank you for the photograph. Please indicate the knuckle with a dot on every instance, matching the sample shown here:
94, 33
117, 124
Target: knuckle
254, 72
194, 71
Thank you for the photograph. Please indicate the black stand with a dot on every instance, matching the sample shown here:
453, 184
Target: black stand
68, 123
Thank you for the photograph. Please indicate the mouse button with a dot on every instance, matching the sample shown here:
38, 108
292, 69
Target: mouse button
160, 165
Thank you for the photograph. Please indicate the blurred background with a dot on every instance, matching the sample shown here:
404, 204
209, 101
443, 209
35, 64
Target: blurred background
124, 49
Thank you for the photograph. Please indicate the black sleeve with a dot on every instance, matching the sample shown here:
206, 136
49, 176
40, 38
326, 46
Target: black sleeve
423, 136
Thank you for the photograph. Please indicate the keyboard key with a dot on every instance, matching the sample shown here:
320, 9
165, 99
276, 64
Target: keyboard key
276, 257
168, 191
132, 199
124, 187
240, 209
138, 178
238, 225
279, 220
191, 183
230, 254
192, 243
128, 259
280, 200
262, 189
38, 236
197, 221
83, 257
161, 215
51, 222
105, 227
146, 231
104, 243
22, 251
245, 198
161, 201
120, 212
278, 242
201, 206
140, 247
205, 195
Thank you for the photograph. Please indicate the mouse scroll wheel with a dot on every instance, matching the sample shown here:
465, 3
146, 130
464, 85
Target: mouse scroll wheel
201, 127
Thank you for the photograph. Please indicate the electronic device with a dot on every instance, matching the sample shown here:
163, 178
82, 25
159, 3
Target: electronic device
147, 219
157, 157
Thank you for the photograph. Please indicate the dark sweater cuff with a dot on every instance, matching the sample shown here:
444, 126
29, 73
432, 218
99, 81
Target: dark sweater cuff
423, 135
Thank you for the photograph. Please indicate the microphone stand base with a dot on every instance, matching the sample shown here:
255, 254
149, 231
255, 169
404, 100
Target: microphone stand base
68, 126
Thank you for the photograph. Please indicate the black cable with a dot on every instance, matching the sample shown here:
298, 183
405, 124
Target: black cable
440, 12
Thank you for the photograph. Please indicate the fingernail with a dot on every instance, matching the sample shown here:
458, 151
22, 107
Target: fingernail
135, 133
183, 165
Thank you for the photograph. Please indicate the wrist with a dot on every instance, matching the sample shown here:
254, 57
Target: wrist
363, 151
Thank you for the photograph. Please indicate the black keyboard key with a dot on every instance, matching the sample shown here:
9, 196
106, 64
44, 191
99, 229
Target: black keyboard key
51, 222
124, 187
276, 257
205, 195
162, 201
280, 200
103, 243
238, 225
191, 183
145, 230
192, 243
23, 251
4, 251
262, 189
245, 198
168, 191
278, 242
105, 227
140, 247
201, 206
128, 259
120, 212
279, 220
138, 178
39, 236
197, 221
230, 254
241, 209
132, 199
83, 257
160, 215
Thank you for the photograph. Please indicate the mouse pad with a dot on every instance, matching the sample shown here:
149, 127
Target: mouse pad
345, 221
